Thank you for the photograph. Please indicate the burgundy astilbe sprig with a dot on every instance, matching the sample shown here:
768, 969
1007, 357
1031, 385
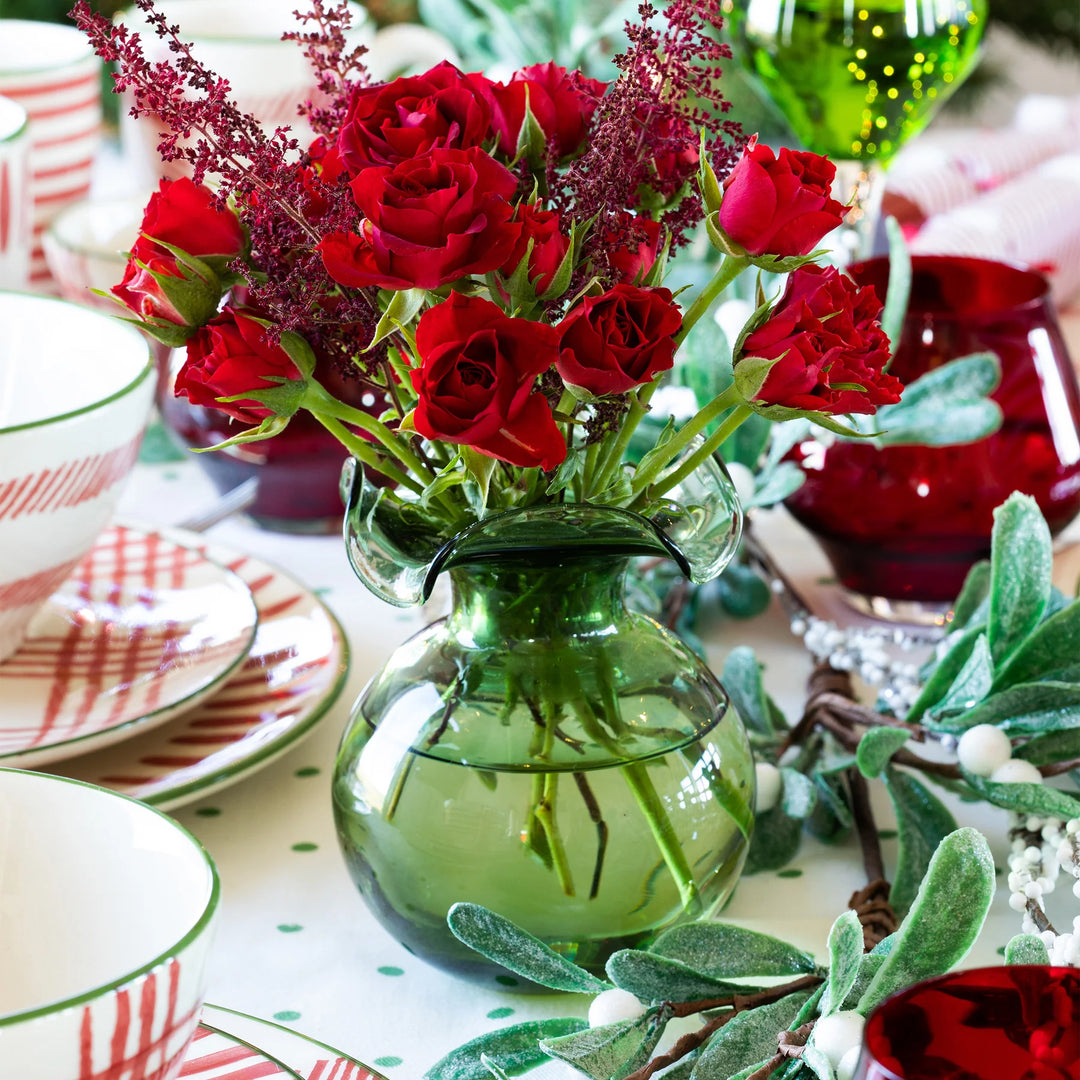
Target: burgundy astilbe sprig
667, 93
338, 69
258, 172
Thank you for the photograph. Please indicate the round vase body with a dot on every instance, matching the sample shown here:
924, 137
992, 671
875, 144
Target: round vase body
544, 752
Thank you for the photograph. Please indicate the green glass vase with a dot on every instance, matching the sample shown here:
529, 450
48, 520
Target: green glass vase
542, 750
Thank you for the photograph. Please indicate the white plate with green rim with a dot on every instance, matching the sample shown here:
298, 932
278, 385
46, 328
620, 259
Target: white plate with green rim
142, 630
309, 1059
293, 674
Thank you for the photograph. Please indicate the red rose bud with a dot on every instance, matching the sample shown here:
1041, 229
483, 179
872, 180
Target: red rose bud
403, 119
549, 246
611, 343
324, 169
428, 222
562, 103
184, 215
825, 337
476, 382
631, 247
779, 205
233, 355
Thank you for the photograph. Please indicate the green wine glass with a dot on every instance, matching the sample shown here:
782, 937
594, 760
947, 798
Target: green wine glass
857, 78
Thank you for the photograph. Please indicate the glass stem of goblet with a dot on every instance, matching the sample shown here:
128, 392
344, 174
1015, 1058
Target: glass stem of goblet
858, 184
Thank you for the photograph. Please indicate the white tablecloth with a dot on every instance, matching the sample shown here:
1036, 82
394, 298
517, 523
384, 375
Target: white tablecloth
296, 942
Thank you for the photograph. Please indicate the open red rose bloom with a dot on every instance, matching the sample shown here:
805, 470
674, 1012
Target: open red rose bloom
488, 257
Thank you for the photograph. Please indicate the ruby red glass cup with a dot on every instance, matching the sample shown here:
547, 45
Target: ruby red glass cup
1002, 1023
905, 523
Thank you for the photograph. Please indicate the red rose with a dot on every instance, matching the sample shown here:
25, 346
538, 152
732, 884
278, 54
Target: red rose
324, 169
562, 102
406, 118
779, 205
182, 214
549, 246
631, 246
428, 221
621, 339
476, 382
825, 334
232, 355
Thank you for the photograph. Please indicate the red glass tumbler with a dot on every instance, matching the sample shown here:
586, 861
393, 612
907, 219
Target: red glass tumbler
905, 523
1003, 1023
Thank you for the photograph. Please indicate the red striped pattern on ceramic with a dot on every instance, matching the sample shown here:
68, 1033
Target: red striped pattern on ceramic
214, 1055
340, 1069
68, 484
143, 1042
30, 589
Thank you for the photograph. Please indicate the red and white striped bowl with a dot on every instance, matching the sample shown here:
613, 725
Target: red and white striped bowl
104, 958
52, 72
75, 391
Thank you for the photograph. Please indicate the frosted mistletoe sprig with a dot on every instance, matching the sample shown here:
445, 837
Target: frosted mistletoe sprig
803, 1028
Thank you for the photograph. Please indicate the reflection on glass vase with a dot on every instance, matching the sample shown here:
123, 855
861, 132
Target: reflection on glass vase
905, 523
541, 750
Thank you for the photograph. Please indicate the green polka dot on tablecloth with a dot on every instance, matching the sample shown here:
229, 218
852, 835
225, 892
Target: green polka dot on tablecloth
501, 1013
506, 980
389, 969
289, 927
307, 770
887, 834
793, 872
388, 1062
305, 845
208, 811
322, 590
287, 1015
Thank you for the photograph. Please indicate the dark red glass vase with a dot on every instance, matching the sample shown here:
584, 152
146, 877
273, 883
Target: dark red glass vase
1003, 1023
905, 523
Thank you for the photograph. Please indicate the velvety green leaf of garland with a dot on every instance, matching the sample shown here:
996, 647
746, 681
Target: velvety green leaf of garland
746, 1038
975, 591
601, 1052
507, 944
868, 968
742, 681
944, 920
799, 793
1049, 650
971, 685
656, 978
1021, 561
513, 1049
923, 822
877, 746
944, 672
831, 819
1029, 708
845, 957
721, 950
1046, 749
1026, 949
818, 1063
1027, 798
774, 843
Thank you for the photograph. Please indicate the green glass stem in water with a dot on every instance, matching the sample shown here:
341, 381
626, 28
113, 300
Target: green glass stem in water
545, 752
857, 78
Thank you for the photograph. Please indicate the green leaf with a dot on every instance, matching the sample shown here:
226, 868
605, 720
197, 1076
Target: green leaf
267, 429
944, 672
708, 185
501, 941
750, 375
480, 467
963, 379
404, 305
818, 1063
564, 271
567, 472
923, 822
741, 592
513, 1049
868, 968
774, 842
742, 680
1021, 559
721, 950
845, 958
601, 1052
1053, 747
1027, 798
831, 819
800, 793
971, 685
976, 590
877, 747
1030, 708
1026, 949
746, 1038
651, 977
941, 423
1050, 648
778, 484
493, 1068
896, 297
944, 920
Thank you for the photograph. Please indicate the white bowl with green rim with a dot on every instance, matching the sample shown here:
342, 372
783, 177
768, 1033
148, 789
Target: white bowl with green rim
76, 389
107, 913
16, 202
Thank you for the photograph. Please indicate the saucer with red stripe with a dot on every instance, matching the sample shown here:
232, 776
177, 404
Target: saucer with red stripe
292, 675
232, 1046
143, 629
